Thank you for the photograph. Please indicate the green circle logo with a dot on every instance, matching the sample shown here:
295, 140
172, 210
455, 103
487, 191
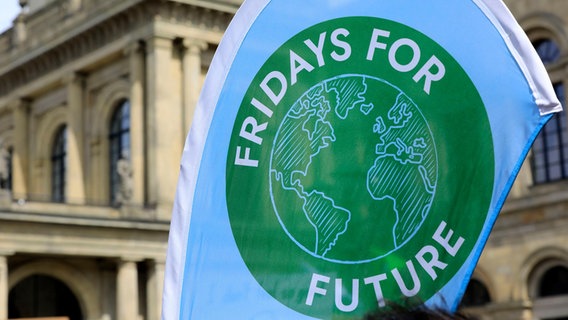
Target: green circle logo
315, 137
347, 166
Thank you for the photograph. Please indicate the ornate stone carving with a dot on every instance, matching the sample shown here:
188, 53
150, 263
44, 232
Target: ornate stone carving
194, 46
125, 189
204, 18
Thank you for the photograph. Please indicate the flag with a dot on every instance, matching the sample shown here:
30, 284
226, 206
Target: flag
349, 153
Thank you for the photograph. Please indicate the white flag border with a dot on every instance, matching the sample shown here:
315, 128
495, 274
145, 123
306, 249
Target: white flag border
524, 53
193, 152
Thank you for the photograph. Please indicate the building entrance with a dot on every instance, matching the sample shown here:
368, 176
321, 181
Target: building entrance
40, 296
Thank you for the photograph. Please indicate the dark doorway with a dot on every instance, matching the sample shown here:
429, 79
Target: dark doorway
43, 296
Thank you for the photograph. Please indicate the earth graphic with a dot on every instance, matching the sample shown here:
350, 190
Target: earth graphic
353, 169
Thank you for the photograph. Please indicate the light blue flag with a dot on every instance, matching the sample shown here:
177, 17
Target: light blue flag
349, 153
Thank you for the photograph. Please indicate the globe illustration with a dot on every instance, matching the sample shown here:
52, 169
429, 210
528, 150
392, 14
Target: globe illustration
353, 170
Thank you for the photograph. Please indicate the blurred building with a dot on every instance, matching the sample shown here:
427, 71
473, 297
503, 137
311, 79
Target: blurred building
96, 98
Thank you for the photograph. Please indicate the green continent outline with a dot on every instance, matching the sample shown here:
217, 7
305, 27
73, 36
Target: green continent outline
461, 130
307, 116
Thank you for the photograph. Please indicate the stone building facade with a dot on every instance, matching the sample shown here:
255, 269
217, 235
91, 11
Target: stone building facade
96, 99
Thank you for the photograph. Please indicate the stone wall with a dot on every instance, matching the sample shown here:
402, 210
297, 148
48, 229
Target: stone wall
71, 63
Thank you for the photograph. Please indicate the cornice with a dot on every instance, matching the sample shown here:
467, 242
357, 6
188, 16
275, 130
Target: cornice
43, 59
228, 6
66, 220
201, 17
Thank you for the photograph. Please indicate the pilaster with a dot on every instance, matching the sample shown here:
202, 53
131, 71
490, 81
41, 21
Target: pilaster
127, 290
136, 55
3, 287
73, 6
191, 78
20, 30
75, 188
20, 156
164, 137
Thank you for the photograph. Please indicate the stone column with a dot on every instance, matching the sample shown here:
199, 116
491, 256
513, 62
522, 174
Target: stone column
191, 78
3, 287
127, 290
20, 29
75, 188
73, 6
154, 289
135, 53
20, 156
164, 137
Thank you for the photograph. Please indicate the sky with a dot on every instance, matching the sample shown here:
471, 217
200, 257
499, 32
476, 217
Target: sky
8, 11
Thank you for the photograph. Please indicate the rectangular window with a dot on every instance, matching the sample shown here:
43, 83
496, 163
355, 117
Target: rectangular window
550, 150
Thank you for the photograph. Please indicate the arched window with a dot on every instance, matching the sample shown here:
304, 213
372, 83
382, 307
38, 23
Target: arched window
549, 288
119, 142
548, 50
43, 296
550, 150
59, 165
476, 294
6, 168
554, 282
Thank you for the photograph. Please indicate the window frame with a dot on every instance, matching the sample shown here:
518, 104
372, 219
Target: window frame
58, 159
547, 307
549, 155
119, 143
